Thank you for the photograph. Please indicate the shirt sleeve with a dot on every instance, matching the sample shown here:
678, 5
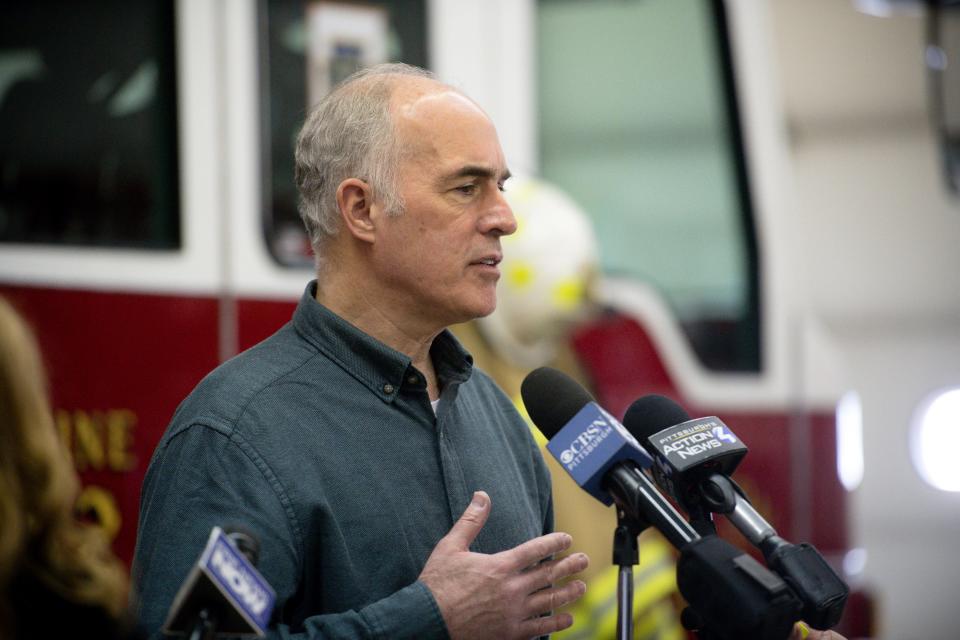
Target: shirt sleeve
206, 475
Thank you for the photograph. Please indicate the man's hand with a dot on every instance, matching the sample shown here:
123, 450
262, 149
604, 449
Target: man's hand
502, 595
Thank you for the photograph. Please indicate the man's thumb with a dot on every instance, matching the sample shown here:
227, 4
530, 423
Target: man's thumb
465, 530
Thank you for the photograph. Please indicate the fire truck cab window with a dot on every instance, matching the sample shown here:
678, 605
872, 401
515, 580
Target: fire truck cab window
306, 48
88, 133
638, 123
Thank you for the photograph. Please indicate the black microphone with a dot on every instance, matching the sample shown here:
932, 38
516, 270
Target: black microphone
693, 461
733, 595
224, 594
598, 453
685, 452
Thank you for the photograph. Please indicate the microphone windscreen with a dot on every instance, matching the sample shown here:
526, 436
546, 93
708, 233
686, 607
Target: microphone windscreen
245, 541
652, 413
552, 398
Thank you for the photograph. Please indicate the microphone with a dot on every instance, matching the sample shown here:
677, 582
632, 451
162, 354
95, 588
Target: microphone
731, 593
693, 461
686, 451
598, 452
224, 594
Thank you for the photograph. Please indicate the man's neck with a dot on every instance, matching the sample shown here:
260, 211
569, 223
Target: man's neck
371, 311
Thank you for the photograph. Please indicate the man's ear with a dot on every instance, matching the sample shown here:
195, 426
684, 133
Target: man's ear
354, 200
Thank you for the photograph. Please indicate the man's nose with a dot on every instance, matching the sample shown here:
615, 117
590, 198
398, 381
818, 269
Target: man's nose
499, 218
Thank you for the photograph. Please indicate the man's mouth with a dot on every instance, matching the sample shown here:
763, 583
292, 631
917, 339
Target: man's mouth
490, 261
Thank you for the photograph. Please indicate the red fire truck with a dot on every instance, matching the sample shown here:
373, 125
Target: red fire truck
148, 226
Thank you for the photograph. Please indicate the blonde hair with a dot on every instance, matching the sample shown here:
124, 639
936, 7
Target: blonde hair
39, 533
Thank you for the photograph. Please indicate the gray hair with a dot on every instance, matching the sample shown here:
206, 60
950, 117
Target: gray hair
349, 134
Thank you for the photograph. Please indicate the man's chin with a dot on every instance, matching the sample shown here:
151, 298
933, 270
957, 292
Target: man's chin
474, 312
487, 311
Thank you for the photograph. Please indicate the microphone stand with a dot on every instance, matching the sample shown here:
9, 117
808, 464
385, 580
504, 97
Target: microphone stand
626, 554
204, 626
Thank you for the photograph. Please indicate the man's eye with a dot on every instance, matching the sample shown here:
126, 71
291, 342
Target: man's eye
467, 189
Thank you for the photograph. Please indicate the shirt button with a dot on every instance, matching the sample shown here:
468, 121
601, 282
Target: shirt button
388, 388
413, 380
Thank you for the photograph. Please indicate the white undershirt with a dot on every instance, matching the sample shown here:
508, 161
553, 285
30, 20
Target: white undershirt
434, 403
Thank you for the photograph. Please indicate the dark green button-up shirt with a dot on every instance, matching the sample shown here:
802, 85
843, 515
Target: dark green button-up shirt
322, 441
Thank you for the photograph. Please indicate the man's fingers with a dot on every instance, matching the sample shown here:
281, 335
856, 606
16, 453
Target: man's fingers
536, 627
465, 530
533, 551
547, 573
552, 599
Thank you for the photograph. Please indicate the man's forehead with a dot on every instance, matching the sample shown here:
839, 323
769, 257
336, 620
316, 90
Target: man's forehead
423, 99
441, 124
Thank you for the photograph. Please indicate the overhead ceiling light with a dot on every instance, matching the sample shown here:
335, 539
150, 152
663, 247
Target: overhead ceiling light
935, 439
850, 440
854, 562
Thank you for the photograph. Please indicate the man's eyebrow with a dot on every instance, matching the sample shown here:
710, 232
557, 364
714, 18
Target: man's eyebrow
478, 171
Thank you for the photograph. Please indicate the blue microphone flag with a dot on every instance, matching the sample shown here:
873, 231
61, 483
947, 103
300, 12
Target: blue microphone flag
225, 577
590, 444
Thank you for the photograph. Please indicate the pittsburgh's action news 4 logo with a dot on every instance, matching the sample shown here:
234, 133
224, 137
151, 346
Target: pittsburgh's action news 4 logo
588, 440
698, 439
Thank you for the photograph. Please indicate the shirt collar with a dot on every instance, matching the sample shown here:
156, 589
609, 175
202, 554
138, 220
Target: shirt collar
380, 368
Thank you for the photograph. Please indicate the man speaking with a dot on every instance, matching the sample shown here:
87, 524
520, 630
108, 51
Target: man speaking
394, 488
